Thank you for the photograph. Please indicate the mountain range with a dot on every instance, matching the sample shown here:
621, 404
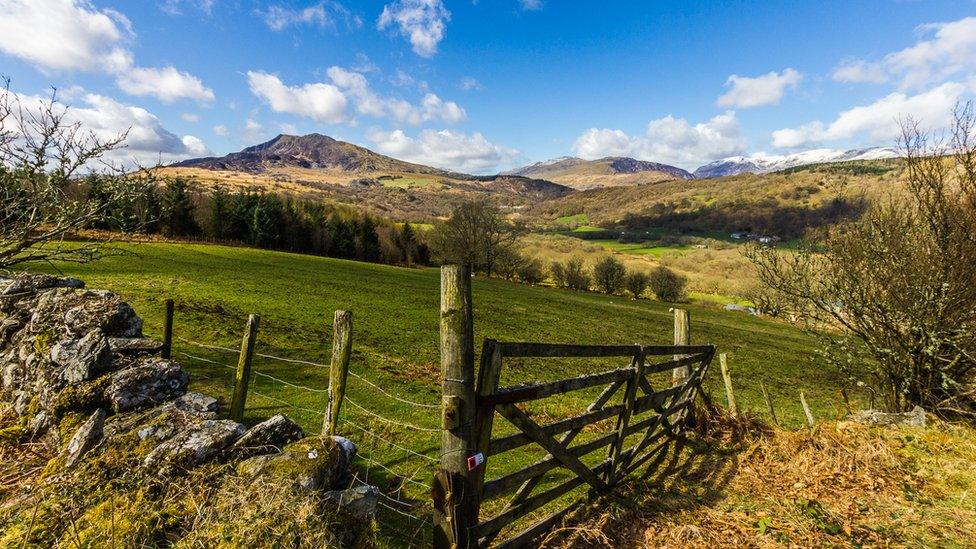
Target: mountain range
764, 163
323, 153
611, 171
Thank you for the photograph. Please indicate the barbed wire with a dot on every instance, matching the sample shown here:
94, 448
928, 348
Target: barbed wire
391, 443
318, 365
411, 480
403, 424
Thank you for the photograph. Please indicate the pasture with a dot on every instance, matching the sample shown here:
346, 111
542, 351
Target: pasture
395, 361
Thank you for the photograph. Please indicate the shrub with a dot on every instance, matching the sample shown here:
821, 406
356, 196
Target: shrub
530, 271
636, 282
558, 274
667, 285
576, 276
896, 290
609, 274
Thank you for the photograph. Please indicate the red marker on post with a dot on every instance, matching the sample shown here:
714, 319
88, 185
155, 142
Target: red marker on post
475, 460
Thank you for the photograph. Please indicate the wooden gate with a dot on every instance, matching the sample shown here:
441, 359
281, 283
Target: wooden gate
645, 417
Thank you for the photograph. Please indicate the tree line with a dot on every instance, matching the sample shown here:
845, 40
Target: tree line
265, 220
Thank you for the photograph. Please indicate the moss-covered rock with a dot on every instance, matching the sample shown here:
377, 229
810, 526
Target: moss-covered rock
313, 463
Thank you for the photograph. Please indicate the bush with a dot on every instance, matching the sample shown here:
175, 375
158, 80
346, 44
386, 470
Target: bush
576, 276
636, 282
530, 271
667, 285
609, 274
558, 274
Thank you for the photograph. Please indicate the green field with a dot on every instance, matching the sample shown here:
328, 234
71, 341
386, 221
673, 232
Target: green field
396, 341
640, 248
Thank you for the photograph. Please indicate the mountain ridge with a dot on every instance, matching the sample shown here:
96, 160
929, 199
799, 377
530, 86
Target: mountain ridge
763, 163
609, 171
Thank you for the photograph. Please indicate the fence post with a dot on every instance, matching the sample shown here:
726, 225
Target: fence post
167, 349
455, 503
682, 336
806, 411
727, 378
769, 404
338, 369
243, 374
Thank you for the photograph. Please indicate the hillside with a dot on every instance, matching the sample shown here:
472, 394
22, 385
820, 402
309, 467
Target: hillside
314, 151
611, 171
784, 203
318, 167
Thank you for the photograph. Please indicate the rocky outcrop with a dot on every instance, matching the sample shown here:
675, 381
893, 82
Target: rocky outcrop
915, 418
76, 367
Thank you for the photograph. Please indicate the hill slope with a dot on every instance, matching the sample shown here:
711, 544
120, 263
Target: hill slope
307, 151
612, 171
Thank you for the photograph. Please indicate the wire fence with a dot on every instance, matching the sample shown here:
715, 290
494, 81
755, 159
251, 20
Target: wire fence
385, 458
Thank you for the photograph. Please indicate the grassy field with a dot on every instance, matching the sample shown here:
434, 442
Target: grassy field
640, 248
396, 342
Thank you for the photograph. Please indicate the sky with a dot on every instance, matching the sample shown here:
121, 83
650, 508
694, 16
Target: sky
482, 86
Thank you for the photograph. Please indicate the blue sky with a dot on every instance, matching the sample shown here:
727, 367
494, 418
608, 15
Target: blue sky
485, 85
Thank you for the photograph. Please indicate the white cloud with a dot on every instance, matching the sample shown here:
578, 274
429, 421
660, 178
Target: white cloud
859, 71
878, 122
367, 102
949, 50
147, 141
469, 83
220, 130
767, 89
320, 102
421, 21
289, 129
446, 149
190, 117
668, 140
166, 84
253, 130
73, 35
531, 5
64, 34
175, 7
322, 14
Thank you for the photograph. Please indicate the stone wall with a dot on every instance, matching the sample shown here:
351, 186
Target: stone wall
78, 372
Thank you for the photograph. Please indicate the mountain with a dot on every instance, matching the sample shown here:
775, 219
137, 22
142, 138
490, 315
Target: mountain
612, 171
762, 163
314, 151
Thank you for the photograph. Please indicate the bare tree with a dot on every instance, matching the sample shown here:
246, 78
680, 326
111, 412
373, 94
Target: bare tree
476, 234
50, 187
895, 292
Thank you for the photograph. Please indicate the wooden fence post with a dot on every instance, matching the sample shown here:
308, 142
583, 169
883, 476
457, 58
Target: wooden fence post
682, 336
769, 404
243, 374
455, 503
338, 369
806, 411
727, 377
167, 349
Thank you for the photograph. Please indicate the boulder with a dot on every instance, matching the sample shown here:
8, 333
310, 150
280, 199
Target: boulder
359, 502
85, 438
269, 436
313, 463
82, 359
194, 446
134, 345
166, 420
915, 418
147, 384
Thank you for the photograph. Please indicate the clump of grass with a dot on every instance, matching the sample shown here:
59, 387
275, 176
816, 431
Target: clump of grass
843, 484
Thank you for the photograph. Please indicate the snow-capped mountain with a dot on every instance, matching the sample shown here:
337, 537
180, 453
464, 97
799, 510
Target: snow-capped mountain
765, 163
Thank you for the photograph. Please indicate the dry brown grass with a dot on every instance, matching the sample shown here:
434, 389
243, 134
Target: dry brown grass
842, 485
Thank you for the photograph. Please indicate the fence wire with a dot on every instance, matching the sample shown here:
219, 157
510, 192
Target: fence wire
397, 452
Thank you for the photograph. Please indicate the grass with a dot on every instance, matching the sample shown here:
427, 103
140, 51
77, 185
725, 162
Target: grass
396, 342
641, 248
